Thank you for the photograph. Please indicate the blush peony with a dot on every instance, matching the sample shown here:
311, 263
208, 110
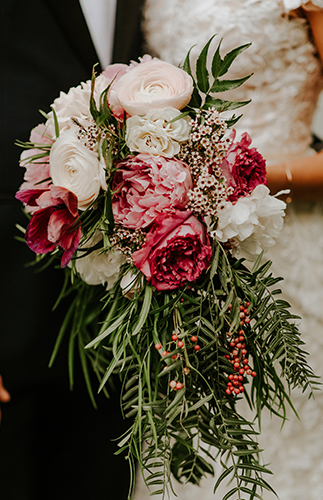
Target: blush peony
77, 168
146, 186
176, 251
154, 134
152, 84
245, 168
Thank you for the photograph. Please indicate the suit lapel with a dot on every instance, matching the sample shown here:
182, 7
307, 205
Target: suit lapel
69, 17
127, 35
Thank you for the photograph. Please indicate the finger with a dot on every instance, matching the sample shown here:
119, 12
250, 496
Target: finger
4, 394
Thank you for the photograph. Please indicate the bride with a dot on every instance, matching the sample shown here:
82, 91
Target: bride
284, 89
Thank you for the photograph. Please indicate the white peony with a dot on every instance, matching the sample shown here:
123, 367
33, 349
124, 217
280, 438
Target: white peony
154, 134
99, 268
75, 104
77, 168
254, 221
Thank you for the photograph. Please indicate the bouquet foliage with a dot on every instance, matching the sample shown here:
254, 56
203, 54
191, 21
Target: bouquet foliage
137, 183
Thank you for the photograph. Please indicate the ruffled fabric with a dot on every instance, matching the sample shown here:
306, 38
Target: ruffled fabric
295, 4
287, 74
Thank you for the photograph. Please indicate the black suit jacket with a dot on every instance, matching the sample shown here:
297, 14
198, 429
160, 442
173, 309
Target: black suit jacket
53, 444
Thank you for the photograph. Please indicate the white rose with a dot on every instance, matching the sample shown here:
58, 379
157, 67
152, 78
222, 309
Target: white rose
75, 104
254, 222
154, 134
99, 268
152, 84
77, 168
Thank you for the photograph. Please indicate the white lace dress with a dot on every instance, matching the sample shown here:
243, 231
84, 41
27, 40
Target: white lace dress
284, 89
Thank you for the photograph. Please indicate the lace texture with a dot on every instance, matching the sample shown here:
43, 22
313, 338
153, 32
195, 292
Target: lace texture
284, 89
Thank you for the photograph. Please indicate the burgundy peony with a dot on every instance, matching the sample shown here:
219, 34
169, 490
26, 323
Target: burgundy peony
245, 168
146, 186
177, 251
54, 223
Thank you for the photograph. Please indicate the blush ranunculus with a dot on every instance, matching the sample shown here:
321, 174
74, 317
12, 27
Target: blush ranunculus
245, 166
152, 84
146, 186
54, 224
176, 252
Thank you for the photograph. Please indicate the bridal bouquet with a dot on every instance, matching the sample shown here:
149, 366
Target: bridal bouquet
137, 184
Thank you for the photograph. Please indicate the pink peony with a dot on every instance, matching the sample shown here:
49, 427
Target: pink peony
152, 84
177, 251
244, 168
38, 170
146, 186
54, 224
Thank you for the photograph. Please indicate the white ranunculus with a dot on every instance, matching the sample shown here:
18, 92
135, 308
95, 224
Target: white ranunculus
154, 134
99, 268
75, 104
254, 221
77, 168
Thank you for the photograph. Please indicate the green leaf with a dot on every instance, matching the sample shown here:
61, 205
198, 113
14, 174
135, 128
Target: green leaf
170, 367
55, 122
215, 262
196, 99
201, 402
224, 474
62, 332
202, 74
230, 57
110, 329
241, 453
187, 64
112, 365
144, 310
230, 493
216, 62
222, 105
224, 85
86, 373
232, 121
254, 467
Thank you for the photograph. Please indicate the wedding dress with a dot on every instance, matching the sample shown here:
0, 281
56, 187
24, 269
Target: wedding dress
284, 89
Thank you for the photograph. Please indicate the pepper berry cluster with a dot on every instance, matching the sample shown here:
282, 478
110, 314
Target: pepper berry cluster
239, 354
176, 385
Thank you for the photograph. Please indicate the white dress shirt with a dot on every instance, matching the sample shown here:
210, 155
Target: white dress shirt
100, 17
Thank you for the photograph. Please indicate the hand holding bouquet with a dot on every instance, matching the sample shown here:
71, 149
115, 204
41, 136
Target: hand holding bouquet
137, 183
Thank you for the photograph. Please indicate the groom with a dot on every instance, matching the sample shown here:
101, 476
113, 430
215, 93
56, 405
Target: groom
53, 444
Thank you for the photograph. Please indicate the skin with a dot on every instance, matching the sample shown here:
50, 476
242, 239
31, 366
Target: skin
303, 176
4, 394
